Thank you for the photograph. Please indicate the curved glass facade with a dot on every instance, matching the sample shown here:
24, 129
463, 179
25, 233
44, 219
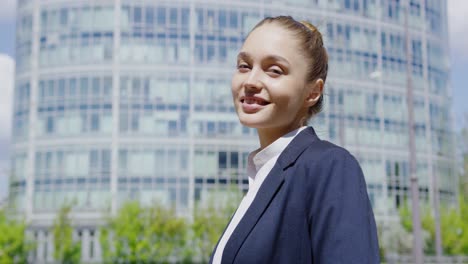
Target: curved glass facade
120, 99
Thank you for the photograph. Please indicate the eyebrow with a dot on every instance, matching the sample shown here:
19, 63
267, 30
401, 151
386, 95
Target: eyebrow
246, 55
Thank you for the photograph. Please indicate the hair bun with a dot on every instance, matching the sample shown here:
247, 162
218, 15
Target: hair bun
314, 30
309, 25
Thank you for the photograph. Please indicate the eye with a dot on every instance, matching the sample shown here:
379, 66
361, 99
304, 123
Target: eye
276, 71
243, 67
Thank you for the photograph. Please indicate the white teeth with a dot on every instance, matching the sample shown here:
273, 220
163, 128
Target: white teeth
254, 101
250, 101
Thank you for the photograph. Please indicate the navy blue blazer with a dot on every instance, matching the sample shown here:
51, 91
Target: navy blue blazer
313, 207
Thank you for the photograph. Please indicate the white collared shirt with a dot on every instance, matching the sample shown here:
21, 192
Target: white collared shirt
260, 163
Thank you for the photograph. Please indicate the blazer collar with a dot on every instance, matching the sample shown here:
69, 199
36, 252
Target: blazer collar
296, 147
267, 191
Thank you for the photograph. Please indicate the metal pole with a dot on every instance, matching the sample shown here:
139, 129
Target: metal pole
417, 242
438, 239
432, 162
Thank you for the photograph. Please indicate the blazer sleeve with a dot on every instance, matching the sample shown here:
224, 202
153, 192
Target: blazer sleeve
342, 227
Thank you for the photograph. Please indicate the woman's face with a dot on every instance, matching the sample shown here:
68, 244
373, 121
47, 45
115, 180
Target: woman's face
269, 87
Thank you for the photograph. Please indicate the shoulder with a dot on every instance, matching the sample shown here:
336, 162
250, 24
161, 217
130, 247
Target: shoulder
328, 169
325, 153
311, 159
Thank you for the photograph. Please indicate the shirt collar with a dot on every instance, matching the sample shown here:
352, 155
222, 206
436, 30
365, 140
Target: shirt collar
258, 158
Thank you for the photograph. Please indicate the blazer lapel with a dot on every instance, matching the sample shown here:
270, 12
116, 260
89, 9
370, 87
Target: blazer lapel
266, 193
217, 243
272, 183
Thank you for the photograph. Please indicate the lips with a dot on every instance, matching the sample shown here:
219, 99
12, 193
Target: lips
252, 104
251, 100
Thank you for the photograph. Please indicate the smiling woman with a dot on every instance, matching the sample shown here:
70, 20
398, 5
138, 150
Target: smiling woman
307, 200
263, 75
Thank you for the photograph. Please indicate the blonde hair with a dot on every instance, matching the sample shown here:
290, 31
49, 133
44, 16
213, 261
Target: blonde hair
311, 45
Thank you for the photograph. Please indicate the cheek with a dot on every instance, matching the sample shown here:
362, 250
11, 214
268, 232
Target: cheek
288, 94
291, 97
235, 85
234, 92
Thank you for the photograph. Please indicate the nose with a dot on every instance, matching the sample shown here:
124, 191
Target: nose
253, 81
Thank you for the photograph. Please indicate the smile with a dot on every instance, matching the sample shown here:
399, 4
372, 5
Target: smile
250, 100
251, 104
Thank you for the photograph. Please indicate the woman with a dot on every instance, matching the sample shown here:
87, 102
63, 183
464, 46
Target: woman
307, 200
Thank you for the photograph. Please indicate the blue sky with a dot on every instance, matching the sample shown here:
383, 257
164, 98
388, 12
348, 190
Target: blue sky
458, 27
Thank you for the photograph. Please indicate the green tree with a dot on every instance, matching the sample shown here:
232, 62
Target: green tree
394, 238
427, 224
462, 144
14, 245
210, 219
406, 217
463, 186
454, 221
66, 251
144, 235
454, 228
454, 225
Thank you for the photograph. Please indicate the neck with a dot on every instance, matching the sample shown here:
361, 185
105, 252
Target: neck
267, 136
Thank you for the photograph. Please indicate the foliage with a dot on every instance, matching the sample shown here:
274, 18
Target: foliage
66, 251
14, 245
454, 225
464, 178
144, 235
454, 228
155, 234
463, 145
427, 224
394, 238
406, 217
209, 222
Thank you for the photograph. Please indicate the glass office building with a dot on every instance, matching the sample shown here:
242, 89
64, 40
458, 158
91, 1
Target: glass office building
130, 99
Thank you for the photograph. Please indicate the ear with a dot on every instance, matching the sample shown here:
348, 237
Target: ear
314, 91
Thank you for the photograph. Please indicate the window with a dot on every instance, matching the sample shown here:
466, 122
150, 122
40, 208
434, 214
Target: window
234, 160
137, 15
94, 122
94, 160
233, 20
185, 17
63, 17
161, 16
107, 86
106, 160
222, 160
44, 20
222, 19
173, 16
149, 15
61, 89
96, 87
123, 160
50, 125
172, 126
83, 87
210, 127
141, 163
42, 91
72, 87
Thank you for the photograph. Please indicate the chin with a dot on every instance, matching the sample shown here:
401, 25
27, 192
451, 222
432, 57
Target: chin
251, 125
251, 122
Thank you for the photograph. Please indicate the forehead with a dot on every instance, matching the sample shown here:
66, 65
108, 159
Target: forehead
272, 39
